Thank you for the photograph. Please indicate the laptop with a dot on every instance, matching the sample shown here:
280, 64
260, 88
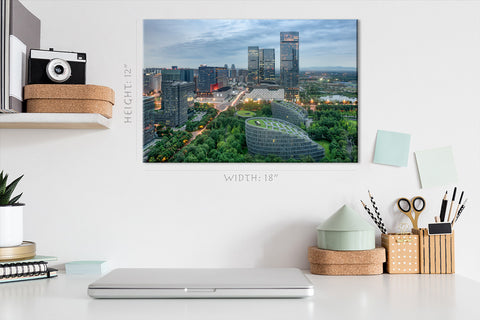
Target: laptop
202, 283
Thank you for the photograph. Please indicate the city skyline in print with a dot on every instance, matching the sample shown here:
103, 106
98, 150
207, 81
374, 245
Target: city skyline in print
250, 91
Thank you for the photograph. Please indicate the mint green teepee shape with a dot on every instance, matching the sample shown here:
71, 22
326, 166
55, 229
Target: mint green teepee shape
345, 230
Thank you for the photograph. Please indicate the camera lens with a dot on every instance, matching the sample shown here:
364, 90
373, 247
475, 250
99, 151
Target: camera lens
58, 69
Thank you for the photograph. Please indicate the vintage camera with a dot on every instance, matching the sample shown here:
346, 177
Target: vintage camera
49, 66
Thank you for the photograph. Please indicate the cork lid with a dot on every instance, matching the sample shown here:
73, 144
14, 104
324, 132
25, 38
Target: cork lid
345, 219
69, 91
361, 257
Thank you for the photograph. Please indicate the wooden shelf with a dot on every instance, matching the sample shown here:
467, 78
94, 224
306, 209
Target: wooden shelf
54, 121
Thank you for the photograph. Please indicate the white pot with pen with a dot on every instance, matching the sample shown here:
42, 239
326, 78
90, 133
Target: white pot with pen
11, 214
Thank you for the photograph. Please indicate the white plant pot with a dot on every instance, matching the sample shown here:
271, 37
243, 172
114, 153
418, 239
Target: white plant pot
11, 226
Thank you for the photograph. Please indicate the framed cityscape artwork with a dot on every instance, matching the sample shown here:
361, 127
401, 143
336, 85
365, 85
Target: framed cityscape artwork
250, 91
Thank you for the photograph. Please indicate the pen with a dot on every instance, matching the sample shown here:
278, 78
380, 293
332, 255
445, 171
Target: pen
459, 212
451, 204
444, 207
458, 207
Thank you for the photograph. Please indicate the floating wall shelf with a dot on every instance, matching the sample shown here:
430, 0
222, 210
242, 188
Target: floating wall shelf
54, 121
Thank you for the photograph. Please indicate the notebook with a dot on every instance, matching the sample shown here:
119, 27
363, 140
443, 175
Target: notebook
20, 270
19, 32
202, 283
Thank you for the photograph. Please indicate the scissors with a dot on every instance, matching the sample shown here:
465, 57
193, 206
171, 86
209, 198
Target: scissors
417, 204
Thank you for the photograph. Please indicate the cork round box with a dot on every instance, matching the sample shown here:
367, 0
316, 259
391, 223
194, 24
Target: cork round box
69, 98
336, 262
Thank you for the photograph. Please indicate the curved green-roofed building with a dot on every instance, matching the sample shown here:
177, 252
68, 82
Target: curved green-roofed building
290, 112
270, 136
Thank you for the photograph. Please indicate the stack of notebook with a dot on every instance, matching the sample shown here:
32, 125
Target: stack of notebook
19, 32
20, 270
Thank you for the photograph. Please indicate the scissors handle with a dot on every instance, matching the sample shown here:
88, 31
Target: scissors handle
405, 207
418, 207
418, 204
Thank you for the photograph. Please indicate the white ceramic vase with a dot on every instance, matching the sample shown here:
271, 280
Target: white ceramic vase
11, 226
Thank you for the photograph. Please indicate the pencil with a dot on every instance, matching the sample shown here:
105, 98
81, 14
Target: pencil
443, 210
451, 204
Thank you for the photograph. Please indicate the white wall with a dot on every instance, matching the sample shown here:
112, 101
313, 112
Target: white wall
89, 196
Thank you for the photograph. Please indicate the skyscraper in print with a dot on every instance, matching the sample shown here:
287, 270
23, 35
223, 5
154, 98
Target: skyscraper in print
289, 63
253, 65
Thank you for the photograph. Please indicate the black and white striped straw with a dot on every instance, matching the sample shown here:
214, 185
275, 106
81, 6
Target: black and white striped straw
379, 218
379, 225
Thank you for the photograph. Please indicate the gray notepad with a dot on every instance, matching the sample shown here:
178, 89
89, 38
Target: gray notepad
202, 283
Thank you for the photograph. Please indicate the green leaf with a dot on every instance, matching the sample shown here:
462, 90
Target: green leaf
14, 199
11, 187
3, 183
3, 201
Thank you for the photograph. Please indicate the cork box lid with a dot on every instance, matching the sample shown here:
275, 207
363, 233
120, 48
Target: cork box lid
69, 91
321, 256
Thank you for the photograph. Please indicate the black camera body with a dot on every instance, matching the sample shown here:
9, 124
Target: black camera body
56, 67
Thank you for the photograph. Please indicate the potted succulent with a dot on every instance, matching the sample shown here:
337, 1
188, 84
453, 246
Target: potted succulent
11, 213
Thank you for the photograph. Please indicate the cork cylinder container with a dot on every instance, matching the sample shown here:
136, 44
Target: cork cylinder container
69, 98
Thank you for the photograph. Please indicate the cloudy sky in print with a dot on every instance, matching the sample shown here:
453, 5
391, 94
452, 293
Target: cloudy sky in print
190, 43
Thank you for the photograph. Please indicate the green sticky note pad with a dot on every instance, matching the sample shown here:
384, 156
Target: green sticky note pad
392, 148
436, 167
85, 267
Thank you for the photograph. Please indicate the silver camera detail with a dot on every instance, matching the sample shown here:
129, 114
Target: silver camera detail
58, 70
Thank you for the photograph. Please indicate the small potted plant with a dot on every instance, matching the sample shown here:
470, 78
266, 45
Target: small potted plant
11, 213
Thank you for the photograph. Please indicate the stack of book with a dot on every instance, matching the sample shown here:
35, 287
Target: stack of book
19, 32
20, 270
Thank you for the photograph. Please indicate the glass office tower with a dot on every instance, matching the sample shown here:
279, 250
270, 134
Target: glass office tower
253, 66
148, 120
177, 97
206, 78
267, 65
289, 63
222, 77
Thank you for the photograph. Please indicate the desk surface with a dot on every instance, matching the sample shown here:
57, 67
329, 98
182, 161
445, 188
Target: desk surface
366, 297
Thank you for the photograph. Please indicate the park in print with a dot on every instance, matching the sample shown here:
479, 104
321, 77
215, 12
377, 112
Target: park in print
242, 91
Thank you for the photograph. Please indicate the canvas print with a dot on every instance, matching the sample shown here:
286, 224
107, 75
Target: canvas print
250, 91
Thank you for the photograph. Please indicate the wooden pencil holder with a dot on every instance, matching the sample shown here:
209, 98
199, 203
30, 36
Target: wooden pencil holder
402, 252
437, 252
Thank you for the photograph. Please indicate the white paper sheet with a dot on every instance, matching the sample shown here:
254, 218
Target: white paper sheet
18, 64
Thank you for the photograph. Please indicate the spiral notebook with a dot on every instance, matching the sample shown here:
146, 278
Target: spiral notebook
35, 268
